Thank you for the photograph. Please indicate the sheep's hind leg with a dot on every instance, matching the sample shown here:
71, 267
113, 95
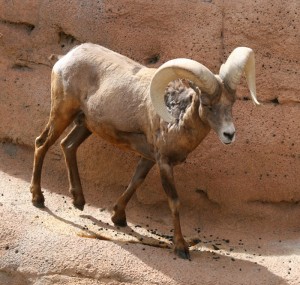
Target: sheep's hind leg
53, 130
167, 178
143, 168
69, 145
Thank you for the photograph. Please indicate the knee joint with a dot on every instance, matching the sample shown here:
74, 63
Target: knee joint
66, 146
174, 206
39, 141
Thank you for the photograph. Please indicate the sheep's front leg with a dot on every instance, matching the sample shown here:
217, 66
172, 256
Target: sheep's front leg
142, 169
167, 178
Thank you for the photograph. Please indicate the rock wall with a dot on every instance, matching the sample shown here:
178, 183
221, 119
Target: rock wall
261, 168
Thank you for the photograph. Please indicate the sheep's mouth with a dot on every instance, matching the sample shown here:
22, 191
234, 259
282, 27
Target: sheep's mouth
227, 141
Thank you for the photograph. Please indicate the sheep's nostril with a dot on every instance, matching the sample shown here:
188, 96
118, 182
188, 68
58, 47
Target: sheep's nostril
229, 135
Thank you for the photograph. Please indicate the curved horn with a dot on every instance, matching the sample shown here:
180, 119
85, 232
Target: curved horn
175, 69
239, 61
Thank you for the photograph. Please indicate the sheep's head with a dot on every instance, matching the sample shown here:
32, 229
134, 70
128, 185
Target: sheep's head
217, 112
217, 91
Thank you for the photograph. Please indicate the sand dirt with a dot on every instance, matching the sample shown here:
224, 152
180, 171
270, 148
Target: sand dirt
45, 246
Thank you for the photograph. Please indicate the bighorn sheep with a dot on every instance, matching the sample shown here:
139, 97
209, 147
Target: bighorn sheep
124, 102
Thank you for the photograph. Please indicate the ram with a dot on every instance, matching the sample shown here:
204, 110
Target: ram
137, 108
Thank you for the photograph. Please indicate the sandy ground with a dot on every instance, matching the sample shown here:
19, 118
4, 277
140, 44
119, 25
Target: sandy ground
46, 246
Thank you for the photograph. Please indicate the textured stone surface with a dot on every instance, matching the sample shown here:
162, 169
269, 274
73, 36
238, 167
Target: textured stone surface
260, 169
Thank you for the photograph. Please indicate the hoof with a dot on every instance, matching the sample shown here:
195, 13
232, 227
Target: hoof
38, 203
183, 253
119, 217
78, 199
38, 199
78, 206
119, 221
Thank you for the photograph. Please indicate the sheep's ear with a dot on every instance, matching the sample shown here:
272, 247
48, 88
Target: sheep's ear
178, 69
241, 60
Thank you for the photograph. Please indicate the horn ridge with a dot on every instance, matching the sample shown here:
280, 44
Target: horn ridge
241, 60
178, 69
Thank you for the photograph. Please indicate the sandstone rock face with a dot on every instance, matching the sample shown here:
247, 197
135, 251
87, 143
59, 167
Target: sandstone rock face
261, 168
